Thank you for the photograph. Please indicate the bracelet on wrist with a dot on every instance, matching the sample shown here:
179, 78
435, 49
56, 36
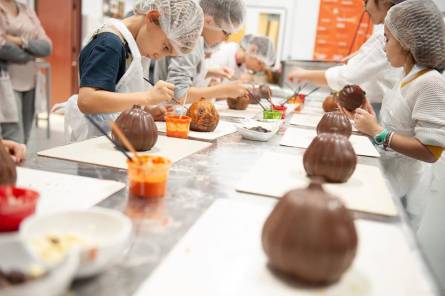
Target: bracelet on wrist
381, 137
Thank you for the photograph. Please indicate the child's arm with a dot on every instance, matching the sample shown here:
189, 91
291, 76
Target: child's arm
93, 101
314, 76
221, 91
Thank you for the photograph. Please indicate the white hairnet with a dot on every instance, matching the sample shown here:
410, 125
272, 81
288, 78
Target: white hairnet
228, 14
245, 41
262, 48
181, 20
419, 27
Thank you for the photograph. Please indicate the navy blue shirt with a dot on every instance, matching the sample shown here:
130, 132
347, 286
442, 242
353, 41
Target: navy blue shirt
102, 62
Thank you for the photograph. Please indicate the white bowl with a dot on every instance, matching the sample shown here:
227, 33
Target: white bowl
15, 256
245, 125
107, 232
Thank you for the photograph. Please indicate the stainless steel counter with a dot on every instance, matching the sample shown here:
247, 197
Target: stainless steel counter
194, 183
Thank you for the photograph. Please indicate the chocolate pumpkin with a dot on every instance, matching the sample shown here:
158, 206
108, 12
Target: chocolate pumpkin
260, 92
330, 156
310, 236
139, 127
330, 103
205, 117
335, 122
239, 103
351, 97
8, 171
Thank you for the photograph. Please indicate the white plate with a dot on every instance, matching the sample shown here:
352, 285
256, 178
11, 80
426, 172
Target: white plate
107, 231
244, 130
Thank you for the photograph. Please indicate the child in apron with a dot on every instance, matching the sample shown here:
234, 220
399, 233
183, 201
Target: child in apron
113, 66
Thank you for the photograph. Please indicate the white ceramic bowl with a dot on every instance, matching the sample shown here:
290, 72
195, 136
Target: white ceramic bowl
245, 125
15, 256
108, 233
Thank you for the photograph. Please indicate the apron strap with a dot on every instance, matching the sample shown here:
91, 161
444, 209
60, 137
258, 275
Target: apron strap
418, 74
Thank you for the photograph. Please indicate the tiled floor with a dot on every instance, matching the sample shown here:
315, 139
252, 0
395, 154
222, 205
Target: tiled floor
39, 140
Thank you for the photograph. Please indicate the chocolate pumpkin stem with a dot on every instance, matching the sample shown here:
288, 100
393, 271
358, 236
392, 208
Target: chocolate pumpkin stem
316, 184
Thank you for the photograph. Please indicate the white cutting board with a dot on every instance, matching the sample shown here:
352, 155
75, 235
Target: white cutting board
311, 110
251, 111
99, 151
275, 174
224, 128
302, 138
222, 255
310, 120
61, 192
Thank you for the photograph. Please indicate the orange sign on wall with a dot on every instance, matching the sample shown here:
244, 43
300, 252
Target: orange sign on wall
343, 27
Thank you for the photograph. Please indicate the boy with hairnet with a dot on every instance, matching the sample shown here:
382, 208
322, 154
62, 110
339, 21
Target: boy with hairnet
254, 54
113, 66
188, 73
412, 132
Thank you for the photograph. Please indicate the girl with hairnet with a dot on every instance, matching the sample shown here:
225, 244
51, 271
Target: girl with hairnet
114, 64
255, 54
188, 73
368, 68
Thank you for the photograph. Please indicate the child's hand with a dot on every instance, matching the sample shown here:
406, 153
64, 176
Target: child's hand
162, 91
366, 123
297, 75
222, 73
16, 150
158, 112
235, 89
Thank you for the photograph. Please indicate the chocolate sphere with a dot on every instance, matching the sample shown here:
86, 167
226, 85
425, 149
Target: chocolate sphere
351, 97
139, 127
205, 117
330, 103
335, 122
310, 236
239, 103
331, 157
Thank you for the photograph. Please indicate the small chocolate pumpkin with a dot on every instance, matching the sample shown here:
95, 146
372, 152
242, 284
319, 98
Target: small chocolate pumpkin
330, 103
139, 127
205, 117
260, 92
351, 97
239, 103
310, 236
331, 157
8, 171
335, 122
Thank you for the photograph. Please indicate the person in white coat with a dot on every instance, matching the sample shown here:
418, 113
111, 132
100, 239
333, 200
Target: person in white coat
413, 121
189, 73
368, 68
254, 54
113, 66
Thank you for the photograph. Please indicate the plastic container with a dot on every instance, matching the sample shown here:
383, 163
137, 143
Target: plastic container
281, 109
178, 126
148, 177
15, 205
272, 115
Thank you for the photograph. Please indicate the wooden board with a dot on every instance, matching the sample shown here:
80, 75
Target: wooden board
302, 138
222, 255
224, 128
275, 174
61, 192
99, 151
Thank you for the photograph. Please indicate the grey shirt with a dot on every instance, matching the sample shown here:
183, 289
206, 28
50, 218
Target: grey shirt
183, 71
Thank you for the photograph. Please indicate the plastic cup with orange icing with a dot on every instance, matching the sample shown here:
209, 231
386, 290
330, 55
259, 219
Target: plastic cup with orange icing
148, 176
178, 126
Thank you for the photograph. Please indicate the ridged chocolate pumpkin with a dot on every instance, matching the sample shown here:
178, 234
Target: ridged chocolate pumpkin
139, 127
335, 122
205, 117
351, 97
8, 171
310, 236
330, 103
331, 157
239, 103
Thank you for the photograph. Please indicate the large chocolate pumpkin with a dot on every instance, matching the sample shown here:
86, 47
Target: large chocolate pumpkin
351, 97
204, 116
239, 103
335, 122
331, 157
311, 236
8, 172
139, 127
330, 103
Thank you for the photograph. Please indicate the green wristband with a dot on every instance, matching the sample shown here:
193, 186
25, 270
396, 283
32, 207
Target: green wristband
380, 139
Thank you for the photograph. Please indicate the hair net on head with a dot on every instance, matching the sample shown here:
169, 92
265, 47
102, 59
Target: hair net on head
228, 14
262, 48
419, 27
181, 20
245, 41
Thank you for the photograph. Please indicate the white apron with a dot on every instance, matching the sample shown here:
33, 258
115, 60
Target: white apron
77, 127
402, 172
